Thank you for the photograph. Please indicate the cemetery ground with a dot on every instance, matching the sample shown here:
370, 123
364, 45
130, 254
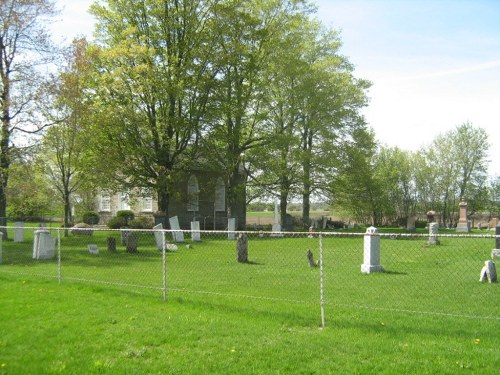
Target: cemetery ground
426, 314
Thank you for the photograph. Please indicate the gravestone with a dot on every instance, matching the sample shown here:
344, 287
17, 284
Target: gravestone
195, 231
276, 224
231, 227
130, 240
463, 224
410, 224
488, 272
159, 235
177, 234
111, 244
93, 249
242, 248
18, 231
44, 245
497, 233
371, 255
433, 231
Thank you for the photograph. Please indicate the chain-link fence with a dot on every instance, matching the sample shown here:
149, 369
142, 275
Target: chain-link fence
412, 273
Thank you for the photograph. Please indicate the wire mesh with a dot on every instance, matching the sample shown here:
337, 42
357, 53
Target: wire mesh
417, 276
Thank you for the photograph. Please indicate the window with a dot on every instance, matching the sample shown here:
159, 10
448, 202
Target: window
220, 195
104, 202
124, 201
147, 203
193, 194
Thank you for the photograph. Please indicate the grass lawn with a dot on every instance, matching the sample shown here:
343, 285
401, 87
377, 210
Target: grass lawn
206, 326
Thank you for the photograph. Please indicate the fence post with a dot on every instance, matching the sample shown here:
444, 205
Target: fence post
164, 267
321, 284
1, 238
59, 274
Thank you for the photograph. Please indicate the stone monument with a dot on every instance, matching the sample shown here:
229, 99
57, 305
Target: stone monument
371, 258
276, 224
433, 231
463, 224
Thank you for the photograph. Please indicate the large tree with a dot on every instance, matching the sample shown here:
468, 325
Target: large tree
24, 45
456, 168
153, 79
65, 144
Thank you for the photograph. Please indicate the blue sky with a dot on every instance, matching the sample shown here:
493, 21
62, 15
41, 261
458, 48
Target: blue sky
434, 64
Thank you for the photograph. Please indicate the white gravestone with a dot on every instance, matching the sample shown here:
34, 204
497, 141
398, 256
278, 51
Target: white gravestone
44, 245
488, 272
276, 223
93, 249
433, 231
371, 258
195, 231
158, 236
178, 235
231, 227
19, 231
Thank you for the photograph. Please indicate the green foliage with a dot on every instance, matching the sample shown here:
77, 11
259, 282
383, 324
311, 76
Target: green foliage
126, 215
90, 217
142, 222
116, 222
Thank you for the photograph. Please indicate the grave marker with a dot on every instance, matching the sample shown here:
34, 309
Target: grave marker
231, 227
371, 258
93, 249
177, 234
195, 231
19, 231
44, 245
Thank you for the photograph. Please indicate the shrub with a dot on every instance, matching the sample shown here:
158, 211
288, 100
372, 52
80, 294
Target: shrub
90, 217
142, 222
420, 224
116, 222
127, 215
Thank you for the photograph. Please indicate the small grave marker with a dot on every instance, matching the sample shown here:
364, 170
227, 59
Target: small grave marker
93, 249
488, 272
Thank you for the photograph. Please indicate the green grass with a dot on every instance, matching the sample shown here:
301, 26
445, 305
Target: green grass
82, 329
426, 314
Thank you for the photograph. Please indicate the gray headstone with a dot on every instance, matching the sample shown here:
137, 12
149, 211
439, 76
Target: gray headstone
195, 231
43, 245
231, 227
371, 254
159, 235
93, 249
18, 231
177, 234
433, 231
488, 272
495, 254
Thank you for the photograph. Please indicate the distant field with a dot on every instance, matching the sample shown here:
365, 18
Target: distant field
267, 217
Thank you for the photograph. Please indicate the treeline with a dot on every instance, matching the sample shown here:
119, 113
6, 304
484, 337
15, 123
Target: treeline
256, 91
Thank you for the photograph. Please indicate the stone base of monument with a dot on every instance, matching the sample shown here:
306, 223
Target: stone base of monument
463, 227
367, 268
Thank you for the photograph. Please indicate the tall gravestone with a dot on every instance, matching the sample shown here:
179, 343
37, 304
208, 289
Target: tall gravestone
371, 254
463, 224
433, 232
195, 231
43, 245
18, 231
177, 234
231, 227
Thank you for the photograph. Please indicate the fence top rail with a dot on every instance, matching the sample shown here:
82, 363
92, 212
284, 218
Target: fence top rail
317, 234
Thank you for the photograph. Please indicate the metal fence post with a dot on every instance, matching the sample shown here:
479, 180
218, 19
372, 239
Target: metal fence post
59, 274
1, 238
321, 283
164, 268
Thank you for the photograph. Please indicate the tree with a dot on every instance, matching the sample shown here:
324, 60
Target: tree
24, 44
64, 145
153, 77
457, 167
395, 171
354, 189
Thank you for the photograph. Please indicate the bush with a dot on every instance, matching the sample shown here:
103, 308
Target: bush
90, 217
127, 215
420, 224
142, 222
116, 222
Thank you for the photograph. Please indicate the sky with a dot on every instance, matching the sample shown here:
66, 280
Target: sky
433, 64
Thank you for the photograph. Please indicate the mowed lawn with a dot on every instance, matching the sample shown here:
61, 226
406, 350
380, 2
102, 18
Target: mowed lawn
426, 314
